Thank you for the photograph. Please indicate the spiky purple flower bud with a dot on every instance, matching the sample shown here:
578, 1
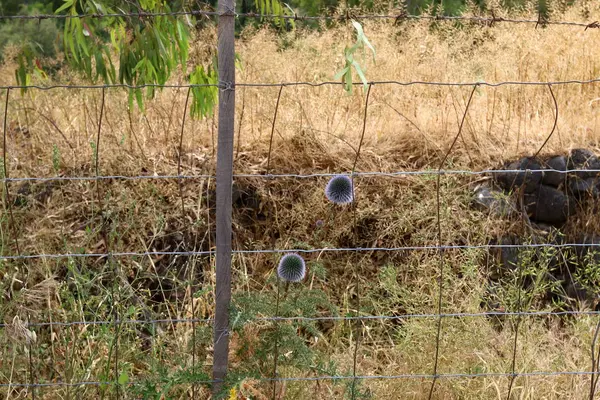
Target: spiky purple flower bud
292, 268
339, 190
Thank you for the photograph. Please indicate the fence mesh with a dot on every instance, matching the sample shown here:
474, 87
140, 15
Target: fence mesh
164, 289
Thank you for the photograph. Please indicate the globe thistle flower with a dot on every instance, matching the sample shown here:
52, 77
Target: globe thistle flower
339, 190
291, 268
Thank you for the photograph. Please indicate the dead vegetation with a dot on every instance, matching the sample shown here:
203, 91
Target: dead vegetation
52, 134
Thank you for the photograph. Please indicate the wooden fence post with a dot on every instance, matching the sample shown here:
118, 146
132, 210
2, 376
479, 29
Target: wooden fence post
226, 59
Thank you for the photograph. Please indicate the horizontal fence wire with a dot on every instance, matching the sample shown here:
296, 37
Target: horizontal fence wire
305, 251
232, 86
345, 16
331, 378
313, 319
391, 174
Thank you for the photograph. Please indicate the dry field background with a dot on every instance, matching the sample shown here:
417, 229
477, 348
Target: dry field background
53, 132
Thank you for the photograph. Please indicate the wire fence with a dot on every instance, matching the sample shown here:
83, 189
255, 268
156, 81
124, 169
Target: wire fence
232, 86
346, 16
357, 317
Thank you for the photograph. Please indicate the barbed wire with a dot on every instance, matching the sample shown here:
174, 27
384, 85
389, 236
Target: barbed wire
315, 319
305, 251
346, 16
232, 86
392, 174
327, 377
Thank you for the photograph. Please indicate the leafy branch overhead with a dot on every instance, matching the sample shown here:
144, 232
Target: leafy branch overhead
275, 7
142, 52
350, 62
133, 50
148, 49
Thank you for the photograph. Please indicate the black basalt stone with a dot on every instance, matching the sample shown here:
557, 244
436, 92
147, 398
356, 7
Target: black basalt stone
548, 204
589, 252
493, 201
505, 253
583, 159
515, 180
583, 187
576, 291
553, 178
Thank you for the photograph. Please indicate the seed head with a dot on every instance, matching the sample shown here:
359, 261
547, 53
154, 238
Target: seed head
292, 268
339, 190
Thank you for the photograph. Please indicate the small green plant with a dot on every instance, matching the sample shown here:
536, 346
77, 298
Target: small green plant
355, 391
349, 56
588, 272
55, 158
528, 282
94, 151
293, 340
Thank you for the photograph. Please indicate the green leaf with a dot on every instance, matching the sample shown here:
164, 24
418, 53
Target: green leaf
114, 38
130, 99
71, 46
139, 65
290, 12
123, 378
139, 97
361, 38
341, 73
348, 80
67, 4
98, 6
149, 50
360, 74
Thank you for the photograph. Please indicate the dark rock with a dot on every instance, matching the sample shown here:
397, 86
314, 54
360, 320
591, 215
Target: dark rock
490, 301
505, 252
583, 187
590, 251
575, 290
546, 231
548, 204
22, 194
583, 159
514, 180
553, 178
493, 201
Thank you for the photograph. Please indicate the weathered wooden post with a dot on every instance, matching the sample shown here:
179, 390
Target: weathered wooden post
226, 54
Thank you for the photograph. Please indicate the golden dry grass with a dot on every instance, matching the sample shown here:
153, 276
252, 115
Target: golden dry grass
408, 128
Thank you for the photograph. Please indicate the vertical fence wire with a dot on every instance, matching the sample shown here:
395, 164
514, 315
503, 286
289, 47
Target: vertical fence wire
517, 323
7, 198
441, 250
357, 322
8, 205
278, 283
110, 263
595, 362
273, 129
30, 341
190, 260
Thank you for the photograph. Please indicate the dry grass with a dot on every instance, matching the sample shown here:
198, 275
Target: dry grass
408, 128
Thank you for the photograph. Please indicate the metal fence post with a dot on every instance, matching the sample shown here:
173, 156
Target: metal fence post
226, 54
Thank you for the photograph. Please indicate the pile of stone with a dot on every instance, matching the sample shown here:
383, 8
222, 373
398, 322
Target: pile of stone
551, 187
549, 191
